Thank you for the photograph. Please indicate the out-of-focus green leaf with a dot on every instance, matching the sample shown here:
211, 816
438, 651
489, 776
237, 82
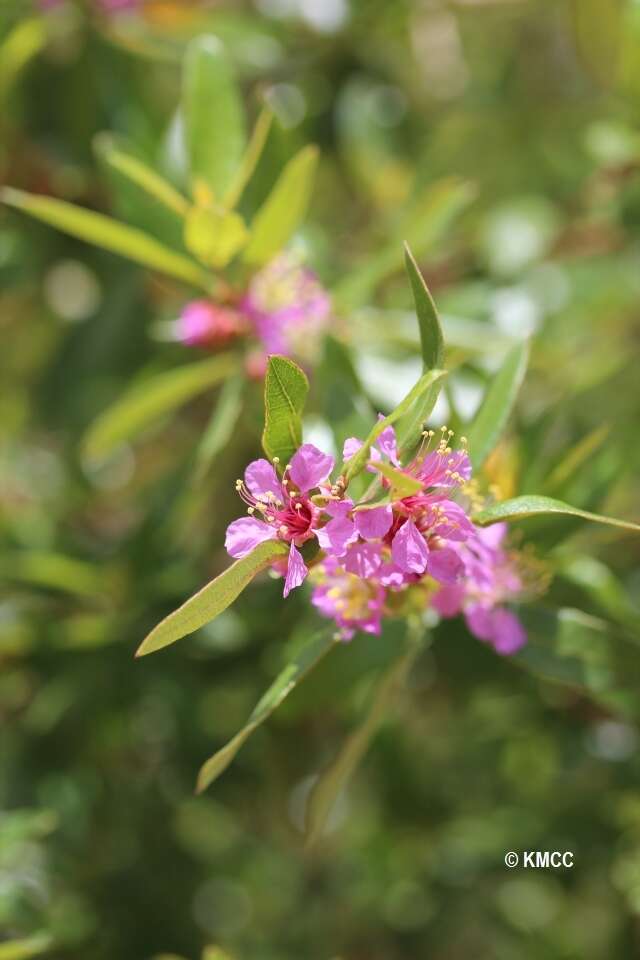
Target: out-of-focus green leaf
577, 455
485, 431
281, 687
28, 947
432, 348
214, 115
402, 485
600, 584
356, 464
151, 398
20, 46
223, 420
332, 781
214, 236
535, 506
53, 571
250, 159
98, 229
428, 218
141, 174
285, 393
284, 208
215, 597
571, 647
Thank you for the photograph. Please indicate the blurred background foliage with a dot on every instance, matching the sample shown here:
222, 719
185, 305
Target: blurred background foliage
501, 139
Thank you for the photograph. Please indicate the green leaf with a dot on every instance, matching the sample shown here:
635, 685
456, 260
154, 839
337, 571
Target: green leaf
223, 421
432, 349
140, 174
350, 468
281, 687
491, 419
98, 229
333, 780
53, 571
535, 506
567, 469
22, 43
150, 398
214, 115
215, 597
250, 159
26, 947
285, 392
428, 218
402, 485
574, 648
284, 208
214, 236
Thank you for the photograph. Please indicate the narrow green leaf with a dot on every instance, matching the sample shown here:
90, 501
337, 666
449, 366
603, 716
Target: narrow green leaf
284, 208
140, 174
215, 597
21, 45
98, 229
250, 159
491, 419
285, 392
281, 687
402, 485
150, 398
422, 227
53, 571
223, 421
214, 114
26, 948
535, 506
350, 468
432, 349
566, 470
333, 780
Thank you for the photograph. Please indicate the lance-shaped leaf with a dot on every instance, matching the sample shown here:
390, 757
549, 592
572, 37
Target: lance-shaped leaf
332, 781
26, 947
250, 159
284, 208
214, 235
285, 392
140, 174
486, 429
152, 398
432, 348
20, 45
223, 422
356, 464
53, 571
571, 647
402, 485
209, 602
214, 115
281, 687
532, 505
102, 231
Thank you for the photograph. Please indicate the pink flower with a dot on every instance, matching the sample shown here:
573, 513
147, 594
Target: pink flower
204, 323
354, 603
287, 308
280, 509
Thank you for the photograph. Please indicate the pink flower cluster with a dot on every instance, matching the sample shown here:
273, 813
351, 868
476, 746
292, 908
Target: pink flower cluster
285, 309
419, 549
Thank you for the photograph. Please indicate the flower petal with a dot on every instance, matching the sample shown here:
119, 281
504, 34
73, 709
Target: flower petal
363, 559
309, 467
387, 444
480, 621
296, 571
336, 536
351, 447
409, 550
448, 600
338, 508
375, 523
445, 565
245, 534
508, 633
261, 479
